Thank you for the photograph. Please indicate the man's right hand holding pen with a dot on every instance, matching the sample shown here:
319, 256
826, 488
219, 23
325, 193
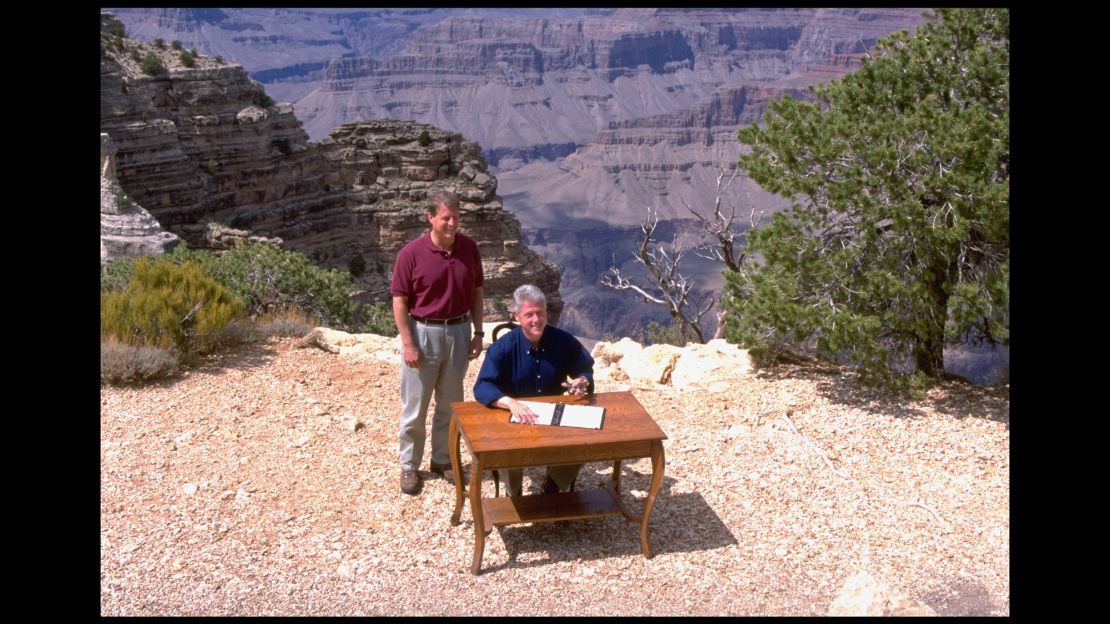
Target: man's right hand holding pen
577, 387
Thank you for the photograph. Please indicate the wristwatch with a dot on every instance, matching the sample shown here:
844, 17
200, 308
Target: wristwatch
480, 334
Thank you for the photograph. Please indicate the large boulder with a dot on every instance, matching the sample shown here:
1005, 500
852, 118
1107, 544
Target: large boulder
711, 365
652, 364
607, 353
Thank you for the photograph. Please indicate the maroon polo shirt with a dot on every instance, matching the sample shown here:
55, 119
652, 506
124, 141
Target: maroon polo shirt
438, 284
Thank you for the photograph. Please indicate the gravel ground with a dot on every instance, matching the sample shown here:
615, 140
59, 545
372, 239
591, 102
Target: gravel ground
243, 487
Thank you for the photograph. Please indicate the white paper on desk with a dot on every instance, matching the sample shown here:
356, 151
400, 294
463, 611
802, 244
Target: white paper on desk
581, 416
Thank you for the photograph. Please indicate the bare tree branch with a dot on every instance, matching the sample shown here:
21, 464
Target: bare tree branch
669, 286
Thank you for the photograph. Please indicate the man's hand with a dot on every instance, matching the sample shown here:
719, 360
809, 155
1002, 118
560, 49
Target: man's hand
411, 355
577, 386
475, 347
522, 412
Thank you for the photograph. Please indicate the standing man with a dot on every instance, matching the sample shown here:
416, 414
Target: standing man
437, 296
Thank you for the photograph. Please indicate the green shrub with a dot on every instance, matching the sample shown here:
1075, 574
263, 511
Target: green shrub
122, 363
168, 305
424, 139
356, 266
187, 59
124, 203
264, 100
376, 318
152, 65
267, 277
159, 43
175, 44
115, 275
240, 222
135, 56
670, 334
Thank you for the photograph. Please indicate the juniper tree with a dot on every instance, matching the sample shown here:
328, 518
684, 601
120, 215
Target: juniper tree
897, 239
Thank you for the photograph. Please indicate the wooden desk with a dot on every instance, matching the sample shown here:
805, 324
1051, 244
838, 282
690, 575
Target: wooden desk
628, 432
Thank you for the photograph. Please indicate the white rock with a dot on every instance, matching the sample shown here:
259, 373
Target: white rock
615, 351
653, 364
710, 365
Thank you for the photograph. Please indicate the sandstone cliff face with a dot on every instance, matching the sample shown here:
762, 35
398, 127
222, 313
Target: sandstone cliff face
207, 153
126, 229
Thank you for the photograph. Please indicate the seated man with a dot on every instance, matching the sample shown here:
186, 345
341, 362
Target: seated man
534, 359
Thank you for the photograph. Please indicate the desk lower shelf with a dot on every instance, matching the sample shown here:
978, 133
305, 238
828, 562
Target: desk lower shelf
507, 510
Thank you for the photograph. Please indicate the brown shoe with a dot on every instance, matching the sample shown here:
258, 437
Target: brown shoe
445, 471
410, 482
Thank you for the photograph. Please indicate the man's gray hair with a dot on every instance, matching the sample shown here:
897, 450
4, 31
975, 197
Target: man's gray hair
529, 293
444, 198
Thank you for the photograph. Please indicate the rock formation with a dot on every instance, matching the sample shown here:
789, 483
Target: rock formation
207, 152
714, 366
589, 117
126, 229
711, 366
514, 84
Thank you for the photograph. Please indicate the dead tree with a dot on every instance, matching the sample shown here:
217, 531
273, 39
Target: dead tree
673, 289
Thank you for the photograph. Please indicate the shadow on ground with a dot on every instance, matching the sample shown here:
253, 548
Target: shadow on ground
957, 399
960, 596
240, 357
682, 522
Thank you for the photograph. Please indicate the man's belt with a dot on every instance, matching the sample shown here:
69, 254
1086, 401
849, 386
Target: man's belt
434, 321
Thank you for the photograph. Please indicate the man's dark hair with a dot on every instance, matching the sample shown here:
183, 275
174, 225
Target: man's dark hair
441, 198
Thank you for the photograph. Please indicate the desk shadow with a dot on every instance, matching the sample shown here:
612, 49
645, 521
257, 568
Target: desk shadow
679, 523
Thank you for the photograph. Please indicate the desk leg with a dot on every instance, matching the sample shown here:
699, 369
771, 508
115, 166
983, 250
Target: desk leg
453, 447
657, 465
476, 513
615, 490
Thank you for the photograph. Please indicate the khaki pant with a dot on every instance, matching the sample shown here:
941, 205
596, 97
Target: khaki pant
445, 354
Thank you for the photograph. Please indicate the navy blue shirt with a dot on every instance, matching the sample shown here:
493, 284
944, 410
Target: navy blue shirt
515, 369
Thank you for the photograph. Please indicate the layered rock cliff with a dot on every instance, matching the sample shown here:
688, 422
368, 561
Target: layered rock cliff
511, 83
126, 229
204, 149
589, 118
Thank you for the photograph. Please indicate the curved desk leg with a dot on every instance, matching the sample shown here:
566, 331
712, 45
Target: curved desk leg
453, 447
476, 513
615, 490
657, 465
